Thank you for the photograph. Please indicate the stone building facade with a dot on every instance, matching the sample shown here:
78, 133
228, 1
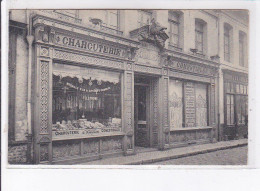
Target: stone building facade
85, 84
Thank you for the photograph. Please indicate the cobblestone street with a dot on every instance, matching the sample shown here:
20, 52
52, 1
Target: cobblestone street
234, 156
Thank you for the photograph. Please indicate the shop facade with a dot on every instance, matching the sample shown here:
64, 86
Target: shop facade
236, 104
98, 94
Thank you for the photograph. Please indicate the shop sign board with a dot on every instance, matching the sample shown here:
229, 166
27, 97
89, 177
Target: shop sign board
89, 45
193, 68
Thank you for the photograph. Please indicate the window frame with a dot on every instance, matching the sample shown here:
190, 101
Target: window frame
199, 32
195, 99
107, 23
227, 43
242, 52
121, 77
140, 18
174, 23
228, 121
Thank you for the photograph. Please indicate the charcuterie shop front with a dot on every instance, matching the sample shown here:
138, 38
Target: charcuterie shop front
100, 94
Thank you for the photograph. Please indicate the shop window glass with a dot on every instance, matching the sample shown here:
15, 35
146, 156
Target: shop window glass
86, 98
176, 104
241, 103
230, 109
201, 105
196, 104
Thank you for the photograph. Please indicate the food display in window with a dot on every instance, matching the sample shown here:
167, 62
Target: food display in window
84, 124
85, 100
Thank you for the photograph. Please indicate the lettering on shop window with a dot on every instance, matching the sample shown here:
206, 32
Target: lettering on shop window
190, 117
88, 45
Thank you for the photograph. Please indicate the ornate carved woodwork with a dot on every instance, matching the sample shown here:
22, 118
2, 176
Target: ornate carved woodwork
129, 111
153, 33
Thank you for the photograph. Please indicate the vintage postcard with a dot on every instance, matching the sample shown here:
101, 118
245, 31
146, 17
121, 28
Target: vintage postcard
121, 87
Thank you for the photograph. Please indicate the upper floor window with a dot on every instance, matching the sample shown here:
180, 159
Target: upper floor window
174, 28
111, 19
71, 13
200, 36
227, 42
144, 17
242, 48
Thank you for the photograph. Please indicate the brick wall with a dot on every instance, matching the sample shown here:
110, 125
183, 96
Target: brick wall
17, 154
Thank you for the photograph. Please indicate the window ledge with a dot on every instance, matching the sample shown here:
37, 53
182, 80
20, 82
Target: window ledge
89, 136
111, 30
191, 128
171, 46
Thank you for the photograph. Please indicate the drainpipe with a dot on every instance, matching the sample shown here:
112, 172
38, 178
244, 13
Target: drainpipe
30, 39
218, 86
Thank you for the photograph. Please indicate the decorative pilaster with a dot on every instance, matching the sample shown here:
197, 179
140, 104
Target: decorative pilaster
43, 105
164, 130
129, 111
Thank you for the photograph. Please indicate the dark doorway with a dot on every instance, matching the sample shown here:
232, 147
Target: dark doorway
141, 109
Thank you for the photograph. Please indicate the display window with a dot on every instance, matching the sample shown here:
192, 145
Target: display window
236, 104
194, 111
176, 104
201, 105
241, 101
85, 101
230, 109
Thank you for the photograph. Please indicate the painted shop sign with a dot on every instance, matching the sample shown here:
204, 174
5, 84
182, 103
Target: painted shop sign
192, 68
88, 45
189, 93
235, 77
82, 133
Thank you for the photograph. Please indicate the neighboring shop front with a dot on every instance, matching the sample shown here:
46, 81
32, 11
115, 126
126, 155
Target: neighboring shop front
235, 104
192, 99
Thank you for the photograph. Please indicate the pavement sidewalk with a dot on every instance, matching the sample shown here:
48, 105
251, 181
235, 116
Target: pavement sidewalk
157, 156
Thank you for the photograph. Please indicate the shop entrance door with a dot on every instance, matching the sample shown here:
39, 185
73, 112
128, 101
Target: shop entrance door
141, 110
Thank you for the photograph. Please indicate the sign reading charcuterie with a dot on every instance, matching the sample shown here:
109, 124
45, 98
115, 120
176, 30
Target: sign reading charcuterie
88, 45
